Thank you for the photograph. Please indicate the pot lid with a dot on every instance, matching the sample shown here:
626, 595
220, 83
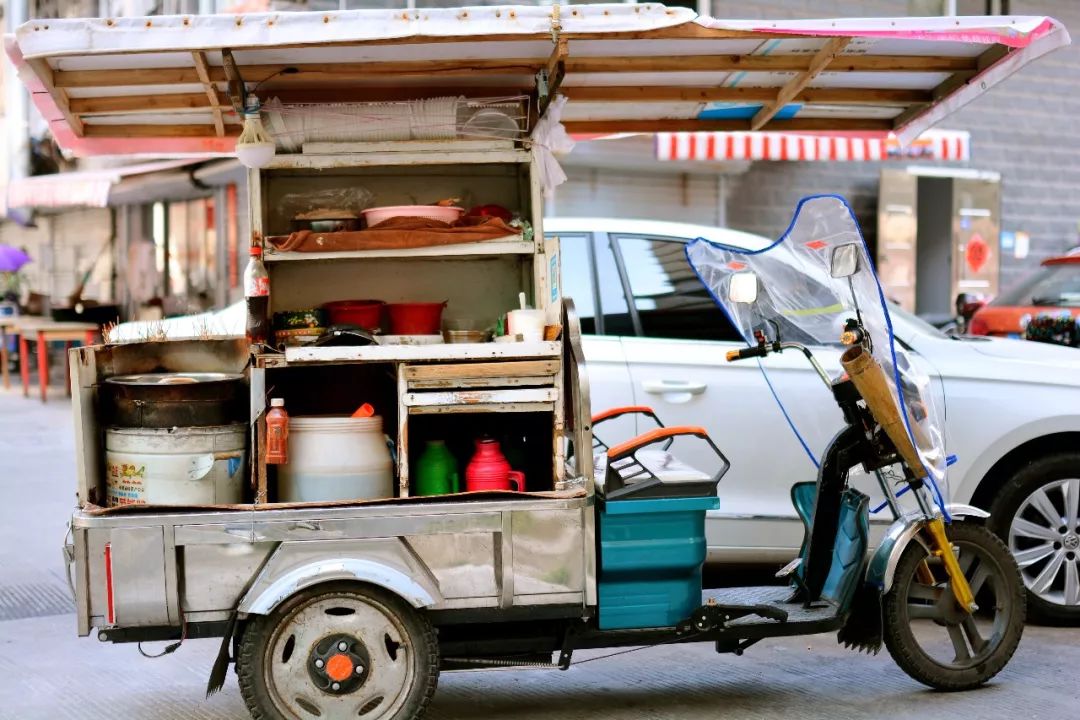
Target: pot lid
158, 379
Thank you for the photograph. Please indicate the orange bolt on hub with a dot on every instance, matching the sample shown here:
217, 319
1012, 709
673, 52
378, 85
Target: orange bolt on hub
339, 668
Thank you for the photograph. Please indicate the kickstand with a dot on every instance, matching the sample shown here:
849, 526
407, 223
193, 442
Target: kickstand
567, 651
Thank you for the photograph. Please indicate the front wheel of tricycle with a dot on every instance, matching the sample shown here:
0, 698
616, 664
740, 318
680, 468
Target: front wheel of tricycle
927, 633
339, 650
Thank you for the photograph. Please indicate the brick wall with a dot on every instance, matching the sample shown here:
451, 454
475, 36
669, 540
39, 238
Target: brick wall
1026, 129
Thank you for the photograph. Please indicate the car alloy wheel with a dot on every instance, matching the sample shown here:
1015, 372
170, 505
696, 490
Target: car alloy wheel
1044, 537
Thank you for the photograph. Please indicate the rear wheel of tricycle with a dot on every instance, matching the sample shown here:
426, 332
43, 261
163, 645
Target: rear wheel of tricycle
935, 641
339, 650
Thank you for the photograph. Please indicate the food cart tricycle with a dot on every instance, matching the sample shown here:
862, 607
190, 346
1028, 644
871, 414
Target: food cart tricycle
380, 547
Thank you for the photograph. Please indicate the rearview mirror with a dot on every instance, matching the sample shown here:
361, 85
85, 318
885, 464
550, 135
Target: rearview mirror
844, 261
743, 288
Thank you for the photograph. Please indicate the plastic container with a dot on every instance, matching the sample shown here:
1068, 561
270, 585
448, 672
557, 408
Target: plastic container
651, 555
277, 433
529, 324
415, 318
175, 466
366, 314
374, 216
336, 457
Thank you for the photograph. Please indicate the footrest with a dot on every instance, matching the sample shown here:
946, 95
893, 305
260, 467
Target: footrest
714, 616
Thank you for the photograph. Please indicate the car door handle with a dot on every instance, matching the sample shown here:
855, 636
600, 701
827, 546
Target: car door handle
662, 387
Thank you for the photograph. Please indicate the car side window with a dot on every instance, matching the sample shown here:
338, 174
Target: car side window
583, 265
670, 300
577, 278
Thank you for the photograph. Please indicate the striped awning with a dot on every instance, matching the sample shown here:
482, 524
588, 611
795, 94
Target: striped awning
931, 145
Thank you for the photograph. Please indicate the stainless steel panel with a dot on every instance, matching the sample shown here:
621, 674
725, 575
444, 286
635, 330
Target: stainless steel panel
246, 528
95, 572
81, 579
138, 572
548, 552
215, 575
387, 562
463, 564
258, 520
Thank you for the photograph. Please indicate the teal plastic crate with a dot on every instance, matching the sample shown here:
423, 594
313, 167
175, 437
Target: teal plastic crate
651, 554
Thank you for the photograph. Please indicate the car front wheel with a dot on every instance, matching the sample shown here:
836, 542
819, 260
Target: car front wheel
1037, 514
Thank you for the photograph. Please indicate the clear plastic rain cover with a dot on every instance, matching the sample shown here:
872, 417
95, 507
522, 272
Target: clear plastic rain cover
797, 294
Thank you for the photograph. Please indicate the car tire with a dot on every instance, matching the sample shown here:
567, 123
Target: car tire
1048, 556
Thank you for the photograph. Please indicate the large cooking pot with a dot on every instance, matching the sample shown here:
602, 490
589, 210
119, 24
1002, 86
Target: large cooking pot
162, 400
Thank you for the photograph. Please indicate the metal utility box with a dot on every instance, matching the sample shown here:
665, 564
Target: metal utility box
938, 237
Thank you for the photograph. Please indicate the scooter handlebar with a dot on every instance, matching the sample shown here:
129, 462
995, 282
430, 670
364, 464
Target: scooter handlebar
750, 352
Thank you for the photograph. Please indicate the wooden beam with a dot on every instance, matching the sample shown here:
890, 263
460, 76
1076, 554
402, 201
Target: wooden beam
175, 102
584, 127
47, 75
952, 83
669, 93
157, 131
337, 72
211, 90
382, 93
792, 87
766, 63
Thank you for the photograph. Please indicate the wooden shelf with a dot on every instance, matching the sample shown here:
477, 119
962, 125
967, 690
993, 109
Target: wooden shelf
421, 353
512, 245
450, 156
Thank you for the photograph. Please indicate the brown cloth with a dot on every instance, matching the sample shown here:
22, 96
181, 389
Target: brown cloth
397, 233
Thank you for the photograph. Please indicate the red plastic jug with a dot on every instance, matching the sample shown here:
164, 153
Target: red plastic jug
489, 469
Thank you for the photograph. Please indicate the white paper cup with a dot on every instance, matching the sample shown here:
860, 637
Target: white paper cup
527, 323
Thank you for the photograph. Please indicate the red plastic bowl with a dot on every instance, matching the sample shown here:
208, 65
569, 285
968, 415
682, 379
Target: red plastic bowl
415, 318
366, 314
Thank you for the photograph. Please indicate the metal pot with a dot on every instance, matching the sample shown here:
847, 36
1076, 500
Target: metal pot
162, 400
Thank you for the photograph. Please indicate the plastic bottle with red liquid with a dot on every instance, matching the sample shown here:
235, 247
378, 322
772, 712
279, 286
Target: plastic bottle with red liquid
257, 295
277, 433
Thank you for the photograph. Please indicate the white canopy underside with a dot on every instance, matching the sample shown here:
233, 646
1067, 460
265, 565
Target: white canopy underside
158, 84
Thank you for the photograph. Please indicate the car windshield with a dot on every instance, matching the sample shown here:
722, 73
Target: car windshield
1050, 285
914, 322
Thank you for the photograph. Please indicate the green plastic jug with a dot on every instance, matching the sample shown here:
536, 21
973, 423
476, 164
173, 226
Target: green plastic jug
436, 470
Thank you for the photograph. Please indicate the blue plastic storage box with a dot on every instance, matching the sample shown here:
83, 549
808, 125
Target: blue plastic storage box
651, 554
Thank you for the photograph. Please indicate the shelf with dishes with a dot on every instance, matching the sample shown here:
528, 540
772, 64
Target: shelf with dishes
509, 245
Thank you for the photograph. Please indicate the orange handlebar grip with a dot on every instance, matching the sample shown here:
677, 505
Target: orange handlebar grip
616, 411
655, 435
733, 355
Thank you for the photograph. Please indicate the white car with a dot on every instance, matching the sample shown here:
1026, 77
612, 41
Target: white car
655, 338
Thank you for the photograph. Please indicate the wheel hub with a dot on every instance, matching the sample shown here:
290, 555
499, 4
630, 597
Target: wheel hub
339, 664
1044, 538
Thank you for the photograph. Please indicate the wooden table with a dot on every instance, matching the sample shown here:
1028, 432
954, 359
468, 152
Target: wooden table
44, 332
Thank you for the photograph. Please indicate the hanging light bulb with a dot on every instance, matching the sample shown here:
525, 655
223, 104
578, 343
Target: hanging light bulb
255, 147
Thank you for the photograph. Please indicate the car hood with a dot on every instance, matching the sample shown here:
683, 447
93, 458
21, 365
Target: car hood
1000, 359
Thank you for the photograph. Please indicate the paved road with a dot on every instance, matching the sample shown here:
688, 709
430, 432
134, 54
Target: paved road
47, 673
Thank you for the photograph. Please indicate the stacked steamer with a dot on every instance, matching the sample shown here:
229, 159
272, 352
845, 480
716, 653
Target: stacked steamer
175, 439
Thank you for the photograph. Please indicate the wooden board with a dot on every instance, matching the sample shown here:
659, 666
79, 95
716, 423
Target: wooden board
389, 353
481, 370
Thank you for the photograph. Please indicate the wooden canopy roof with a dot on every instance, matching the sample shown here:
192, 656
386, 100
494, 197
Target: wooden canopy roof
161, 85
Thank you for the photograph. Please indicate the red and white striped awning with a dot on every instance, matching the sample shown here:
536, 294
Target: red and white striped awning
931, 145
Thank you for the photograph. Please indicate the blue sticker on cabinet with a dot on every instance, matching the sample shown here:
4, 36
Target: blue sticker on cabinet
553, 275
